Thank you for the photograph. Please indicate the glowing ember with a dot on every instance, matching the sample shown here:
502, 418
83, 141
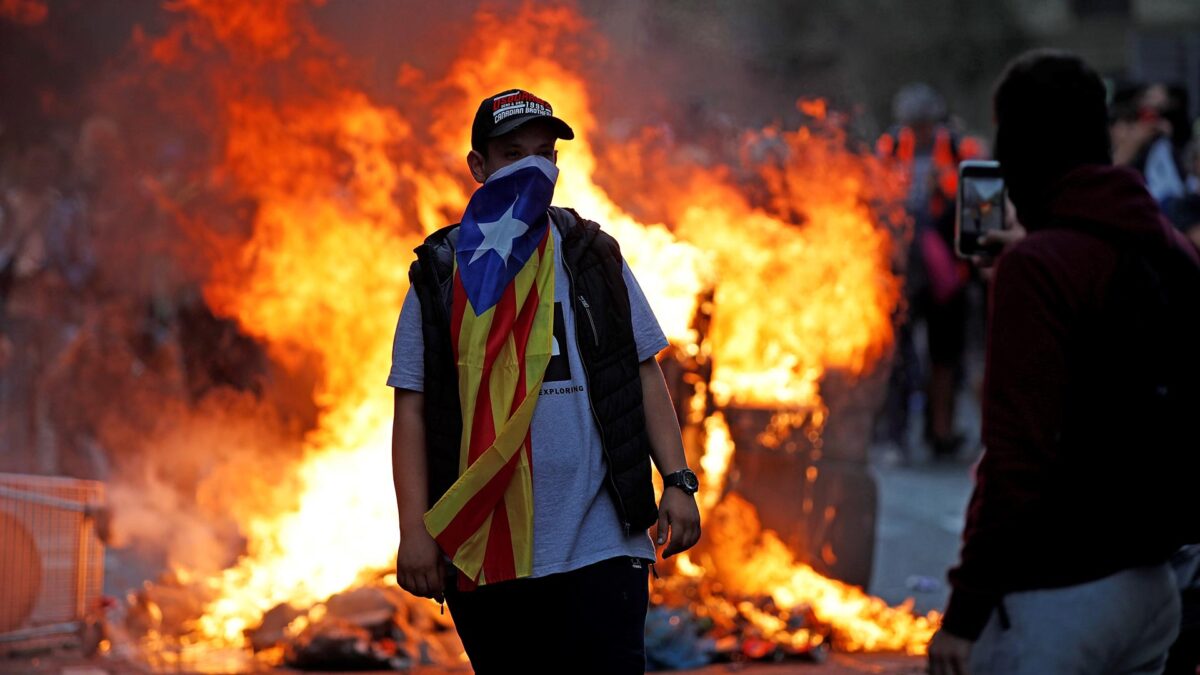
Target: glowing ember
344, 189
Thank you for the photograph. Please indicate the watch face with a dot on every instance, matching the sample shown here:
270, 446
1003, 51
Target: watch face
690, 482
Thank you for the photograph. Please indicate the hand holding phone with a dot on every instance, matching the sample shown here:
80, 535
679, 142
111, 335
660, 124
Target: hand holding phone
980, 209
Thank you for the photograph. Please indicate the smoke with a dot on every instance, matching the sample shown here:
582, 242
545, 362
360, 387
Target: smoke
204, 473
117, 368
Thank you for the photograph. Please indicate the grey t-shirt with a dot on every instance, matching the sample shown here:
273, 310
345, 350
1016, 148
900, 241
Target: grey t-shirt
575, 522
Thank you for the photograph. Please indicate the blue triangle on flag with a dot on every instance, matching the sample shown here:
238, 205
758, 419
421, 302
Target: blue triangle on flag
503, 225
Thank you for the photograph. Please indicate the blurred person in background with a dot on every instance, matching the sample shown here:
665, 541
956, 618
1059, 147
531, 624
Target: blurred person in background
45, 260
1185, 213
929, 151
28, 290
1150, 131
1086, 485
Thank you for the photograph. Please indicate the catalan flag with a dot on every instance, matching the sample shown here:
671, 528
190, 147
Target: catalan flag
502, 327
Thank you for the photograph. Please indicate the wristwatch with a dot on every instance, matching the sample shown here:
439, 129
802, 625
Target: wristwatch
684, 479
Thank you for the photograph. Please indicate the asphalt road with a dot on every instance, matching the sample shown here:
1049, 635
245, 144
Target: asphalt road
920, 520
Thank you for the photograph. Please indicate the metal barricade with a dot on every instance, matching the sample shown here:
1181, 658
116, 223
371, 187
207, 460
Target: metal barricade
51, 557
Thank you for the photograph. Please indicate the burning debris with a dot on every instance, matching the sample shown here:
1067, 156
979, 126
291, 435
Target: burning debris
780, 276
368, 628
372, 626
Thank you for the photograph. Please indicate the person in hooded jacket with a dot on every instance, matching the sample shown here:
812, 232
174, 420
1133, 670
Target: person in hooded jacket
1075, 511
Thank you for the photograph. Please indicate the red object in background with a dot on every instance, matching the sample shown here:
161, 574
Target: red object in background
946, 274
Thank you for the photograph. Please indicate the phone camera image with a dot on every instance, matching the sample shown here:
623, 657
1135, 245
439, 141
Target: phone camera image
983, 206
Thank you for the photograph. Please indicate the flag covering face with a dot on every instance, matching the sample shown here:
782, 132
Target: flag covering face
502, 325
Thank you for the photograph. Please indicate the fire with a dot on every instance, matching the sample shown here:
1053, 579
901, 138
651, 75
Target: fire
752, 562
319, 279
794, 302
346, 187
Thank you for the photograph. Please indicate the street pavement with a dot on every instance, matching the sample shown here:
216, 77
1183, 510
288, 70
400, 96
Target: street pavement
917, 533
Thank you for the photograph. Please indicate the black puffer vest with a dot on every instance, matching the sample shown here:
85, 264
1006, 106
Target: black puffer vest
604, 333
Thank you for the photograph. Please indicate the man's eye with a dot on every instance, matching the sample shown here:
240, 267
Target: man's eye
512, 154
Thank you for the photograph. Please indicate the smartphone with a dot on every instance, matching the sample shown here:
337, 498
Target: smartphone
981, 201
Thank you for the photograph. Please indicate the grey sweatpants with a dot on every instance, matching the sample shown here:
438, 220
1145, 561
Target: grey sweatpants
1123, 623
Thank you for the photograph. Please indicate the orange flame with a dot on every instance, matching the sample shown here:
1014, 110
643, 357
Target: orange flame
752, 562
793, 302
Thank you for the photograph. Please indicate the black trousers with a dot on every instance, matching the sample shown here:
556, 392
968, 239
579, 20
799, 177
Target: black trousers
589, 620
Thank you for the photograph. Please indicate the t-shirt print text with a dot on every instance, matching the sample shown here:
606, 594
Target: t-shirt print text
555, 391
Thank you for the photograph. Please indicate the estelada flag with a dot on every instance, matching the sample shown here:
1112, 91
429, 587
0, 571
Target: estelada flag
502, 325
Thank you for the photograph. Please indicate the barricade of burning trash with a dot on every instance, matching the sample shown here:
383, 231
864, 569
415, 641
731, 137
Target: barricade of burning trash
785, 516
742, 594
377, 626
694, 620
373, 626
370, 627
747, 600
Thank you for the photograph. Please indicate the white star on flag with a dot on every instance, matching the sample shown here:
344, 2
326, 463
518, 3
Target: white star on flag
498, 235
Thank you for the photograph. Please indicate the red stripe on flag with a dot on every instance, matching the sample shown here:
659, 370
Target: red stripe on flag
521, 331
524, 326
499, 563
483, 425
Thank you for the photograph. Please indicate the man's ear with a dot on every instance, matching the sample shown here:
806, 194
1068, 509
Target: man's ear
554, 159
475, 164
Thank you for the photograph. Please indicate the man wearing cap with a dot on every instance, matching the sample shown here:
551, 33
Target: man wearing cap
529, 407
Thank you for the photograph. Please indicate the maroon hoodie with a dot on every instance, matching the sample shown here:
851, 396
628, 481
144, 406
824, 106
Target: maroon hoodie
1043, 514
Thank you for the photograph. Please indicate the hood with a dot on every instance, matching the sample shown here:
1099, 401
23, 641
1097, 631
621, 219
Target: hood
1111, 199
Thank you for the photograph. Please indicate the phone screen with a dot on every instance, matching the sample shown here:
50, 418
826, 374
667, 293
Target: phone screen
980, 206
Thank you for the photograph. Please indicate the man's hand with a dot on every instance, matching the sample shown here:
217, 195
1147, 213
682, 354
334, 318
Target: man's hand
949, 654
678, 515
419, 564
1001, 239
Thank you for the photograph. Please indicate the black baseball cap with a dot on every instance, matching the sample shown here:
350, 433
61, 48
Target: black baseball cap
501, 113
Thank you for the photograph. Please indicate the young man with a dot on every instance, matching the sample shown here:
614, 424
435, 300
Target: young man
529, 406
1086, 486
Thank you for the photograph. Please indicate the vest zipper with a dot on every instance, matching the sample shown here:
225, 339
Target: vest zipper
587, 309
587, 376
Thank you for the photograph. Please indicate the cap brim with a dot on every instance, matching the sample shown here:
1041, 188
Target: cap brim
561, 129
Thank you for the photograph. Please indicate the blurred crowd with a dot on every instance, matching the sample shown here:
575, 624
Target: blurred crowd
47, 268
940, 337
1154, 132
94, 308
